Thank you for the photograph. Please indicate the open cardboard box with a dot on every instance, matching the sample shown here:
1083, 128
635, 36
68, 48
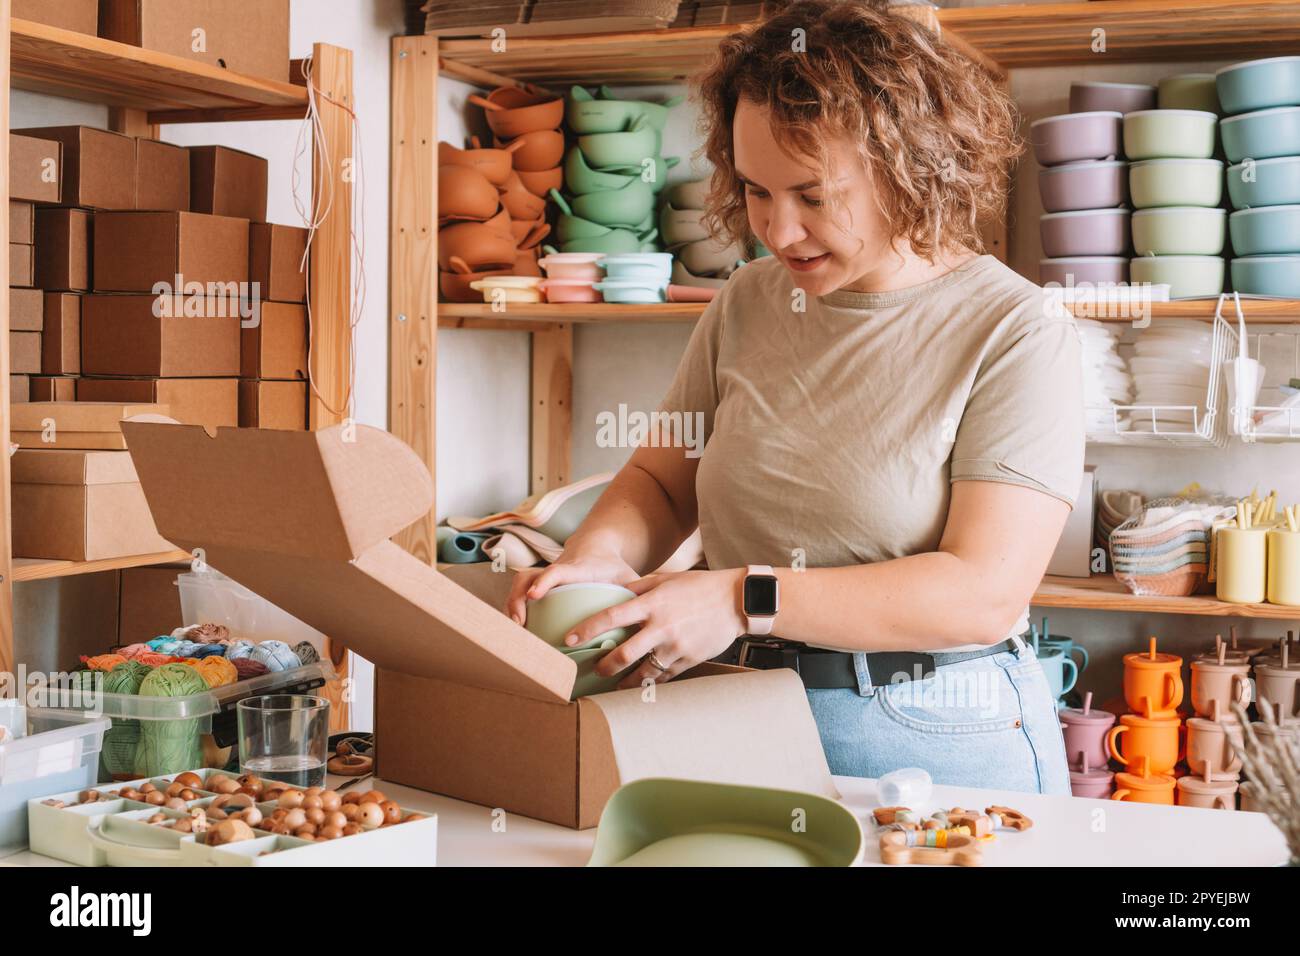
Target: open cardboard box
469, 704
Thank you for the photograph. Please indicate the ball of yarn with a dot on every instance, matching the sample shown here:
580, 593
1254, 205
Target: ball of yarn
247, 667
209, 633
185, 648
170, 746
134, 650
163, 645
215, 671
210, 650
238, 649
276, 655
87, 680
125, 678
154, 659
103, 662
306, 652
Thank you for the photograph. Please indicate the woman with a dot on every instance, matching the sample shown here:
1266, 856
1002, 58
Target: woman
894, 422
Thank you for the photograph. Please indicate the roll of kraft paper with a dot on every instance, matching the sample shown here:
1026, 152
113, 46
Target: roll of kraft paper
465, 547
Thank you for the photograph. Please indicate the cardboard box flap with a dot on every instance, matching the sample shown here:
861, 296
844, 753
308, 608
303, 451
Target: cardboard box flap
733, 737
78, 416
40, 466
302, 518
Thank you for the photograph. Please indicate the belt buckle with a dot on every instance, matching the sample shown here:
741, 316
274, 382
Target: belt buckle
788, 653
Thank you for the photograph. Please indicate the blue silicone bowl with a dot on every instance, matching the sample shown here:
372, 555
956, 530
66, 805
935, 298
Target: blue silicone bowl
1259, 84
630, 291
1262, 134
639, 266
1267, 275
1265, 182
1267, 231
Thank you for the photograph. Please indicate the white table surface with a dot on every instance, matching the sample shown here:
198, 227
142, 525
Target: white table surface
1067, 831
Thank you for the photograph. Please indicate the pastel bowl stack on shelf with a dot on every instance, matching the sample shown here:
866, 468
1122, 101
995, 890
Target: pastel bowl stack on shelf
1164, 548
1084, 185
1106, 379
702, 260
612, 173
1261, 139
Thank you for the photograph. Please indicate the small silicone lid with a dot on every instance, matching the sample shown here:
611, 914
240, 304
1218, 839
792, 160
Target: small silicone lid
1134, 781
1094, 716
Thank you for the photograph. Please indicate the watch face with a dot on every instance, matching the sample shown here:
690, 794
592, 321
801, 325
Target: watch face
760, 594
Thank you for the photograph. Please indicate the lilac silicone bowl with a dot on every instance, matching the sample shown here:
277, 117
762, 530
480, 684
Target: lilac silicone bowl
1098, 184
1087, 232
1073, 137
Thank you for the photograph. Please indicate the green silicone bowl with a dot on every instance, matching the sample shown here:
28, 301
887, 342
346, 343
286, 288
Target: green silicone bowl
659, 821
586, 114
1267, 231
579, 178
1188, 277
1188, 91
1169, 134
1267, 275
1265, 182
614, 242
1175, 182
1179, 231
1262, 135
631, 148
628, 206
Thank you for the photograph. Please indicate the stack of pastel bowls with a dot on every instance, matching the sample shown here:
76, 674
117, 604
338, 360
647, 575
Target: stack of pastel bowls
1106, 380
1261, 138
1084, 186
612, 173
1171, 372
701, 260
1164, 550
570, 276
636, 277
1179, 228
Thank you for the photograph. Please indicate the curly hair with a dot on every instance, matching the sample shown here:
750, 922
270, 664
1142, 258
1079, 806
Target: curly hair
937, 132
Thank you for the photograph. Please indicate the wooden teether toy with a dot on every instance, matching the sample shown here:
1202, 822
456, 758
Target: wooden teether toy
958, 849
1007, 819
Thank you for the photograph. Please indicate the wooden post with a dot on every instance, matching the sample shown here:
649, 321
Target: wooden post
131, 122
552, 407
8, 661
413, 264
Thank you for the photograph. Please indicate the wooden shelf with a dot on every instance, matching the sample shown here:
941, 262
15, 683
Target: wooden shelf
170, 89
1013, 35
38, 569
481, 314
1259, 311
1102, 592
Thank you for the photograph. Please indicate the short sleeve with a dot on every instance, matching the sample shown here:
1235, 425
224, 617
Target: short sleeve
1024, 418
695, 386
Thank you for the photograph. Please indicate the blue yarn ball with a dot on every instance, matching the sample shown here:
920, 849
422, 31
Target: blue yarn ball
209, 650
236, 650
186, 648
275, 655
157, 643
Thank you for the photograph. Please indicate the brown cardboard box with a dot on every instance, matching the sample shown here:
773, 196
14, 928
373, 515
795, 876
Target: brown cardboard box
81, 16
469, 704
228, 182
22, 220
25, 353
79, 506
162, 175
275, 348
63, 249
193, 401
26, 310
281, 405
21, 270
61, 341
35, 168
122, 335
20, 388
135, 250
98, 166
54, 388
251, 38
274, 255
77, 425
149, 603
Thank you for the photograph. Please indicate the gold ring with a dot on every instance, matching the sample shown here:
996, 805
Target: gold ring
654, 662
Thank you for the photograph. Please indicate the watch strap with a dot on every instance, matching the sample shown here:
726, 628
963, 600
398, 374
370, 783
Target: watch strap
758, 624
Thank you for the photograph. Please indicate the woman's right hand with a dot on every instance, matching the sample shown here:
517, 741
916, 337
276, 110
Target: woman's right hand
532, 583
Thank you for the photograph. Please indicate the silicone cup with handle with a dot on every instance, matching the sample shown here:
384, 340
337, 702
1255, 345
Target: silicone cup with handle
1244, 695
1084, 651
1112, 743
1074, 674
1120, 794
1175, 680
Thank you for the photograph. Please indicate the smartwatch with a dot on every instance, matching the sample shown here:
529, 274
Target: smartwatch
761, 598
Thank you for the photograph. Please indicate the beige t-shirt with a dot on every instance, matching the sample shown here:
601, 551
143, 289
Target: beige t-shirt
832, 434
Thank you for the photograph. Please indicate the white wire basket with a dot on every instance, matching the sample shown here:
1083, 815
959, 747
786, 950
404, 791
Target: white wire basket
1276, 417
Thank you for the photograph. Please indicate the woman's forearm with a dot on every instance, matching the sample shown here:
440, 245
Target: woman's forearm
634, 519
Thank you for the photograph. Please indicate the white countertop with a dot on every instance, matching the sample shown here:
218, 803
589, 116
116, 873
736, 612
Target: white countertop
1067, 831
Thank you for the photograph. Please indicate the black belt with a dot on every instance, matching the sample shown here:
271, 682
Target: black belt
825, 670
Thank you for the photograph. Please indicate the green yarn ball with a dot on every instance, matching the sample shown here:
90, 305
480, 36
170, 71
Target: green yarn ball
125, 678
170, 746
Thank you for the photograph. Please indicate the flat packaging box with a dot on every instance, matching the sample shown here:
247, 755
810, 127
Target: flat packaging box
81, 16
281, 405
22, 222
249, 38
21, 265
149, 603
25, 353
63, 249
54, 388
228, 182
275, 348
20, 388
136, 250
275, 255
75, 425
79, 506
61, 338
123, 335
1073, 555
192, 401
98, 166
26, 310
162, 175
35, 168
469, 704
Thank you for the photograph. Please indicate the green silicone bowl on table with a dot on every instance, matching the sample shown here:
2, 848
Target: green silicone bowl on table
1265, 182
1261, 135
1175, 182
1259, 84
659, 821
1267, 275
1267, 231
1169, 134
1188, 277
1179, 231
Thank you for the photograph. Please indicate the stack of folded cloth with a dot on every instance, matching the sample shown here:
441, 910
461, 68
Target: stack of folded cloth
1114, 508
1164, 549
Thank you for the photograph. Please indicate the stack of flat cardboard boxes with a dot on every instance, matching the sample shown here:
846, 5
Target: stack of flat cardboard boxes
35, 172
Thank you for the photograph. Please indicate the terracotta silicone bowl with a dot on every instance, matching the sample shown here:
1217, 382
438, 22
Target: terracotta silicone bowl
511, 112
518, 199
465, 193
541, 184
492, 163
480, 246
537, 151
457, 287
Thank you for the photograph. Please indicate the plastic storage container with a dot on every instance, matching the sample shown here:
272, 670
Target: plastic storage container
208, 596
59, 751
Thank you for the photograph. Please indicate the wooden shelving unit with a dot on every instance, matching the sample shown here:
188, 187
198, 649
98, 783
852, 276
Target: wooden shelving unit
142, 90
1002, 38
1102, 592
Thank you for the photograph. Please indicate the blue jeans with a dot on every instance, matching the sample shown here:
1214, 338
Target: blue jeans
989, 722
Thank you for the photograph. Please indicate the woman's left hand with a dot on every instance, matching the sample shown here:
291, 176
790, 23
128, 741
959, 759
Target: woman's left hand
686, 617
